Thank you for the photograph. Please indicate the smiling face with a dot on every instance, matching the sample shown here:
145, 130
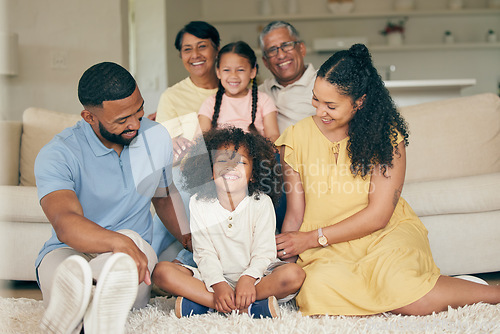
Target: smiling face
198, 55
117, 122
235, 73
232, 172
287, 67
334, 111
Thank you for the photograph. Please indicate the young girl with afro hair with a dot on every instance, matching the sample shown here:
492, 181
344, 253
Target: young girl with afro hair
232, 175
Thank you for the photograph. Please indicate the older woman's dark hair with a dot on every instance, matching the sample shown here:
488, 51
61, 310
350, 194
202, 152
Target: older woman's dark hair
374, 128
197, 167
200, 29
105, 82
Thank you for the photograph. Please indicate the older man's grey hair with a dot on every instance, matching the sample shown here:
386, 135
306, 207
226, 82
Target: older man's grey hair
276, 25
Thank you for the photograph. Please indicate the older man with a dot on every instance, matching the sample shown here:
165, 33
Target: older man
291, 86
96, 182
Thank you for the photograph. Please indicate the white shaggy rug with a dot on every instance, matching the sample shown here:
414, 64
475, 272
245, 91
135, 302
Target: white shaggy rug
22, 316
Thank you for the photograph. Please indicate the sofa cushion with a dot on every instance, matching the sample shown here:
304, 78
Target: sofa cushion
478, 193
10, 132
39, 127
453, 138
20, 204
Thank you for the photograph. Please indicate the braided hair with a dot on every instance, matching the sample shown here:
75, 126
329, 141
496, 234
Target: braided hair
373, 131
244, 50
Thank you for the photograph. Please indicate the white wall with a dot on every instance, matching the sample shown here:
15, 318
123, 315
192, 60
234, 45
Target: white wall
58, 41
157, 63
150, 49
482, 64
179, 13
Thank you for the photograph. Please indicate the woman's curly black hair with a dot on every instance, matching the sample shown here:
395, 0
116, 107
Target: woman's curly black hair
197, 167
373, 131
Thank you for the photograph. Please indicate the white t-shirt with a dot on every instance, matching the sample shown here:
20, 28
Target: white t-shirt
233, 244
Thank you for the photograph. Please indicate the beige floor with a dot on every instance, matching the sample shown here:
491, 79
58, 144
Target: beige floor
21, 289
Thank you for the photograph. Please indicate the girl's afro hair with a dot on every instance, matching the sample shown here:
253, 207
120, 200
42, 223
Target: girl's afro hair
197, 166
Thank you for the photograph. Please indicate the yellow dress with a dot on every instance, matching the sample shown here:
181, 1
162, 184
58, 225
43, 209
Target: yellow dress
383, 271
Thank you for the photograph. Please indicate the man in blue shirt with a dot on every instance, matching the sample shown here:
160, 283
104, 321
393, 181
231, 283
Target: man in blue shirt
96, 182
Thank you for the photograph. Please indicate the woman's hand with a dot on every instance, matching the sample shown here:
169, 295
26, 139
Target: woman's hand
223, 297
290, 244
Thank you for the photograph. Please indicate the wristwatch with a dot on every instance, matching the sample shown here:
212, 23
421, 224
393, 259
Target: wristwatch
323, 241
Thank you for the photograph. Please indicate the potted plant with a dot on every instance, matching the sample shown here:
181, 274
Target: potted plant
448, 37
394, 32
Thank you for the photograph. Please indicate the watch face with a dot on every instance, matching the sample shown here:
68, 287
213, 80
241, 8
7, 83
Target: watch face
322, 241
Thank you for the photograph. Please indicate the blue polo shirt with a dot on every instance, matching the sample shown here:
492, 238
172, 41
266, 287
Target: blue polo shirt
114, 190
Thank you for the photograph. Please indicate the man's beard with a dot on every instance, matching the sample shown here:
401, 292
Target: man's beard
117, 139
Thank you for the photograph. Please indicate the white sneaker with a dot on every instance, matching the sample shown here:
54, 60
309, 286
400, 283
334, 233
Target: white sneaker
69, 297
472, 279
114, 295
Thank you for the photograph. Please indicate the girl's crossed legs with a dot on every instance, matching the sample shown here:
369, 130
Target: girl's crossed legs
179, 281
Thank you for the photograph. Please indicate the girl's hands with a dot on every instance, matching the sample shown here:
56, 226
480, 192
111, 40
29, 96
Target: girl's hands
224, 297
245, 292
291, 244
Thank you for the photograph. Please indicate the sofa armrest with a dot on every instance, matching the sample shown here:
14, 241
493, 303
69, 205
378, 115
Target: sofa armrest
20, 204
10, 137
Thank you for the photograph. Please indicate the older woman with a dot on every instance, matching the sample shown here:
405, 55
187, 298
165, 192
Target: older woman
198, 45
361, 245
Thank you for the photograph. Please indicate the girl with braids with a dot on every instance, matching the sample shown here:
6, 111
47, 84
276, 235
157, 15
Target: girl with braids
363, 248
234, 103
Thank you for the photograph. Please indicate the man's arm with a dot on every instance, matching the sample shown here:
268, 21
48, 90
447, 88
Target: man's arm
65, 213
170, 209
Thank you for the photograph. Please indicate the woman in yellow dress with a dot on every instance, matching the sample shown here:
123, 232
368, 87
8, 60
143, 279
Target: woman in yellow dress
361, 245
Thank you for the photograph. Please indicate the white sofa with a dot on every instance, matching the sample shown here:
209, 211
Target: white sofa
23, 225
453, 180
452, 183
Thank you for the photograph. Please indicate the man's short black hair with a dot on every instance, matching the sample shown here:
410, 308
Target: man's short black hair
105, 82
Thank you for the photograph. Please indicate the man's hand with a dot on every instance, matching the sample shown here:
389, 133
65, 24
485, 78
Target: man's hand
180, 146
124, 244
245, 292
223, 297
65, 213
187, 242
